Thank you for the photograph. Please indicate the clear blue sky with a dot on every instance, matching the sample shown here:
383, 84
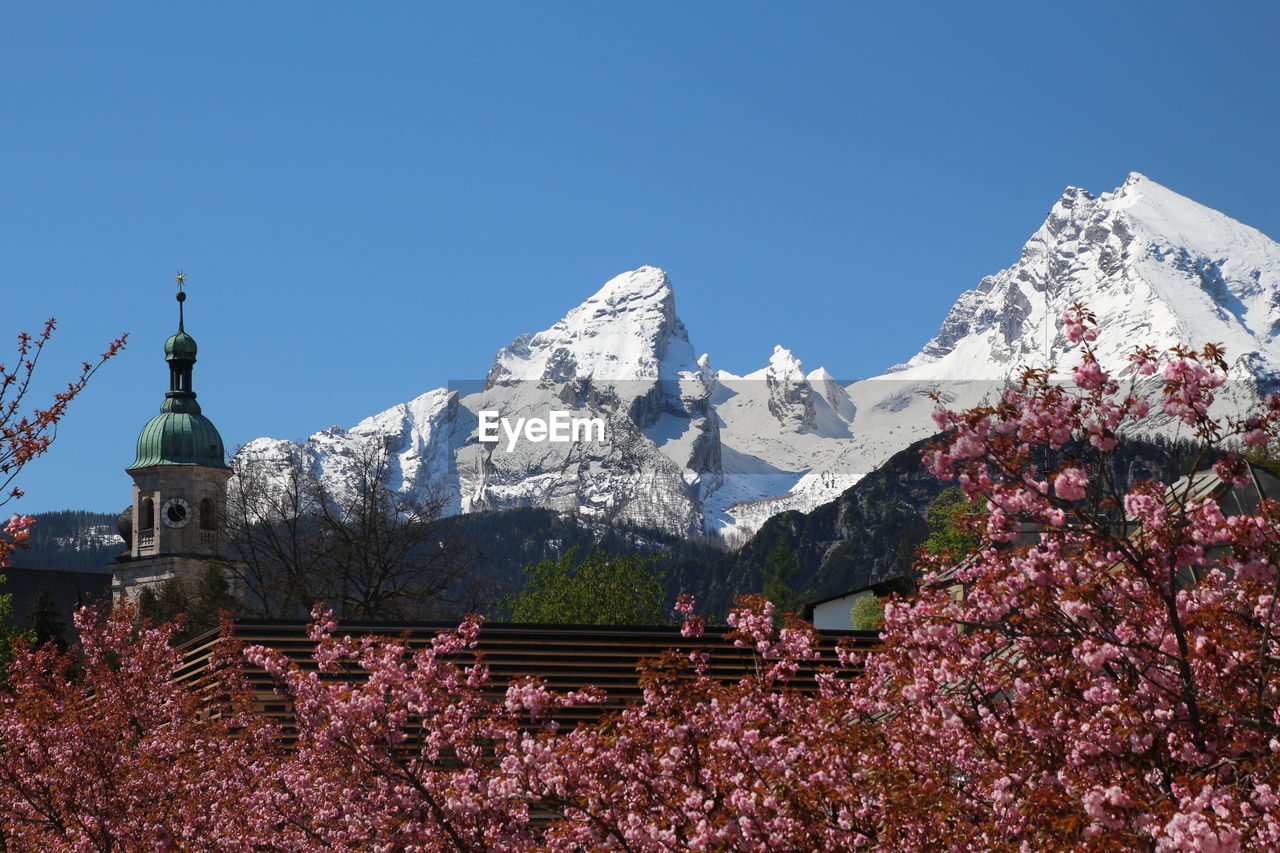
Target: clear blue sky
369, 199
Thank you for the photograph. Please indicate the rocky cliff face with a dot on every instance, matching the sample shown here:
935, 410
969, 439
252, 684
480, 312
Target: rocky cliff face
790, 394
690, 450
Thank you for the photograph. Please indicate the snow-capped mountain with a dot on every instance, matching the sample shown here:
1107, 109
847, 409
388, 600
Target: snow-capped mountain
623, 358
1154, 267
692, 450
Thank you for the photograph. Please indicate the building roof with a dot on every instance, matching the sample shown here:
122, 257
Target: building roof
180, 346
878, 588
179, 438
566, 657
1234, 499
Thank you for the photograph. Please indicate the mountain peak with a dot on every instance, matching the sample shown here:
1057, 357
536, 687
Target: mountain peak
1145, 259
646, 284
785, 366
1171, 219
626, 330
1138, 187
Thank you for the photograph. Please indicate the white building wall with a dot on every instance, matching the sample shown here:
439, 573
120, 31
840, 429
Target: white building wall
835, 614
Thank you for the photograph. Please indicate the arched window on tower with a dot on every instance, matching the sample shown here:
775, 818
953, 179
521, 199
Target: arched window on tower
208, 515
147, 514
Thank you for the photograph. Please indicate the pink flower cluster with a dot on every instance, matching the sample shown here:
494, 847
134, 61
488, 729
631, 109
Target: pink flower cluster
1189, 390
16, 533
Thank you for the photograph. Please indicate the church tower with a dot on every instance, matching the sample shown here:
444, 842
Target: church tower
175, 526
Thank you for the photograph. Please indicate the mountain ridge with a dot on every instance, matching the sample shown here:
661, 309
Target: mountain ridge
692, 450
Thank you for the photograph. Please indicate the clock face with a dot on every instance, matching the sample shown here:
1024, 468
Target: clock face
176, 512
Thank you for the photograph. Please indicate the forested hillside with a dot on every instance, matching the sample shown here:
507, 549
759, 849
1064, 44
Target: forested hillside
72, 540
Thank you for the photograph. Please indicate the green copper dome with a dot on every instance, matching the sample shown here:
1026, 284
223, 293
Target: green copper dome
179, 438
180, 435
180, 345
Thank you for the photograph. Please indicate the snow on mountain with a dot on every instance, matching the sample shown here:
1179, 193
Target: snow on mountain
627, 332
1152, 265
830, 392
693, 450
420, 437
622, 358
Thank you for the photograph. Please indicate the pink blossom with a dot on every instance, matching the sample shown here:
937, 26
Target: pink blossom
1070, 484
1089, 375
1232, 469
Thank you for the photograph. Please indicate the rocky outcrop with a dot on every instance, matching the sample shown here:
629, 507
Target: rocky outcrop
790, 395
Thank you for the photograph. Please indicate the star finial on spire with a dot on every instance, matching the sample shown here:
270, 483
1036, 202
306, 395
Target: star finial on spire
181, 279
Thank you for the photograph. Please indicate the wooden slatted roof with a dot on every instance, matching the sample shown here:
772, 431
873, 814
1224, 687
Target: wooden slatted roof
566, 657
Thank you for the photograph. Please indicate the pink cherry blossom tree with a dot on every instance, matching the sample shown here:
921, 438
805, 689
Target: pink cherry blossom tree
101, 748
1106, 679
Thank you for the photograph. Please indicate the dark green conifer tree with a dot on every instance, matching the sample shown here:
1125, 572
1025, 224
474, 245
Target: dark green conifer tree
780, 569
47, 625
